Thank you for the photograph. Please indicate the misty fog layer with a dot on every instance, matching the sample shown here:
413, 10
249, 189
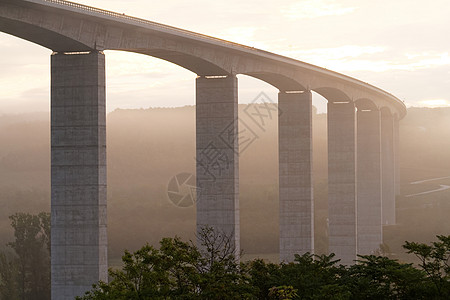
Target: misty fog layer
146, 148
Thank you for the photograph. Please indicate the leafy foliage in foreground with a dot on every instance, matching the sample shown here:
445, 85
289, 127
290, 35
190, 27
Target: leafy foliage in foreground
180, 270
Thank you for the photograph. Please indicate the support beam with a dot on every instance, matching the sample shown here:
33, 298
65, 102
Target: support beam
295, 171
388, 168
342, 181
218, 155
78, 157
397, 154
369, 229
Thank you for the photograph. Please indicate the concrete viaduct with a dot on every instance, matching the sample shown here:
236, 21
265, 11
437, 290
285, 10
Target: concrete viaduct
363, 173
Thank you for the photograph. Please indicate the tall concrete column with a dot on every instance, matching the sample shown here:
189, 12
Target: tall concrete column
370, 233
388, 168
342, 180
78, 158
396, 154
218, 155
295, 174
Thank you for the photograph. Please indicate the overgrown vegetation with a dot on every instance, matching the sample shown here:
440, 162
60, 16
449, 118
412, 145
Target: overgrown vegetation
180, 270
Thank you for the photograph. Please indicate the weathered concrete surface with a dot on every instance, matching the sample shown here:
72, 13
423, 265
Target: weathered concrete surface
342, 181
78, 157
369, 229
295, 181
218, 156
388, 168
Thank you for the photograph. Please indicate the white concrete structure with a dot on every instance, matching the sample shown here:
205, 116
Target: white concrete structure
295, 165
397, 154
78, 34
388, 167
217, 155
370, 233
342, 180
78, 141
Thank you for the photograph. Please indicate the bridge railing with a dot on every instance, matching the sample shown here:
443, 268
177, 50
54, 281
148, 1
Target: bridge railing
139, 20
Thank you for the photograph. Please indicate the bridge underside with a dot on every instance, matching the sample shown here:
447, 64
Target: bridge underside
41, 36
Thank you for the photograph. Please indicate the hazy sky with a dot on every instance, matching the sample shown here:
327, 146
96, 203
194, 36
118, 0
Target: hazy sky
401, 46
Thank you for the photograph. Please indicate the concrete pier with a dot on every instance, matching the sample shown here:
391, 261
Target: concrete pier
342, 180
78, 181
369, 229
295, 174
388, 167
397, 154
218, 155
